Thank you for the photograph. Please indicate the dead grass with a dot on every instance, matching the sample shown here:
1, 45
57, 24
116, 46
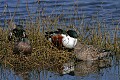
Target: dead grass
44, 54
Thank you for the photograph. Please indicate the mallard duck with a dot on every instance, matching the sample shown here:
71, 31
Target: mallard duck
89, 52
67, 39
22, 44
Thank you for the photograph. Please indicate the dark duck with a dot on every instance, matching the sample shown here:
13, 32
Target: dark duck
21, 43
62, 38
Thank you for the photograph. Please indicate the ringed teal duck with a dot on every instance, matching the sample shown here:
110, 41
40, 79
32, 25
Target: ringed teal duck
62, 38
21, 42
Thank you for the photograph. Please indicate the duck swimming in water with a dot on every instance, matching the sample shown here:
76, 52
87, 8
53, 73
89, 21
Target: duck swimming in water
67, 39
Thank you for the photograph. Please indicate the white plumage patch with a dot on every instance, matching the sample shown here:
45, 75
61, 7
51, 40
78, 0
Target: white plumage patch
68, 41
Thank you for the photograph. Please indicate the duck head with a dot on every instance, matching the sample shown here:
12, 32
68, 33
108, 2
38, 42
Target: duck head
72, 33
70, 39
18, 32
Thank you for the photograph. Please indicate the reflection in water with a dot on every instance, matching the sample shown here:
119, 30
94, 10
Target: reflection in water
7, 74
67, 68
22, 71
67, 71
84, 68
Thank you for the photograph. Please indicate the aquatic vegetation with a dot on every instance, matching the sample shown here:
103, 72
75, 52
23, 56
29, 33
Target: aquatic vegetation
44, 54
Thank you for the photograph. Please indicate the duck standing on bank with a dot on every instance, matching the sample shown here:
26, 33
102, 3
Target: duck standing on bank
21, 43
62, 38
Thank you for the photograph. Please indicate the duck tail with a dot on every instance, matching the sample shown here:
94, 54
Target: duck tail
106, 54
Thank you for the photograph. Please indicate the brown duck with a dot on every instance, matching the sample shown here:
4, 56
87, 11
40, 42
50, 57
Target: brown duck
89, 52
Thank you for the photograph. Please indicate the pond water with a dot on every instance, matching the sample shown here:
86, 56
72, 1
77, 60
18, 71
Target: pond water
107, 69
73, 12
107, 11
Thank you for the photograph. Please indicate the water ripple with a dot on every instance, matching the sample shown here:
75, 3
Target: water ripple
67, 8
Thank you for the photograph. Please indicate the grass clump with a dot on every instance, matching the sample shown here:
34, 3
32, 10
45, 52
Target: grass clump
44, 54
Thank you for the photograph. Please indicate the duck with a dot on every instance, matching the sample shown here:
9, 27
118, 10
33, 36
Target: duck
86, 52
62, 38
17, 32
22, 44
